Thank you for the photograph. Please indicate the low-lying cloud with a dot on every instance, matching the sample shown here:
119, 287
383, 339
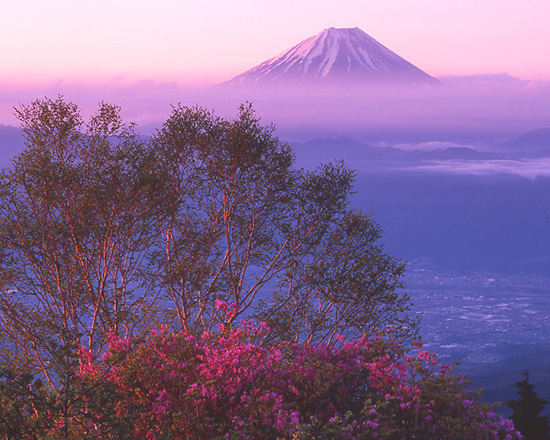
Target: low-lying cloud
530, 169
485, 109
430, 146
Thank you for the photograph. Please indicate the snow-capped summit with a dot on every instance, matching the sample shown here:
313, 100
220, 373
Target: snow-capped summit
335, 56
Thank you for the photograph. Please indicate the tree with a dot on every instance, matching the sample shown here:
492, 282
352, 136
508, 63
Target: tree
24, 404
105, 235
103, 232
77, 217
265, 240
527, 411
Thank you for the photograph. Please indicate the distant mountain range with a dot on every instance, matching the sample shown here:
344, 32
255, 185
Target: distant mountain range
345, 57
535, 140
354, 153
533, 144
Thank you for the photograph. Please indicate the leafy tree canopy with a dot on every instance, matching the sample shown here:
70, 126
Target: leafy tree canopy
105, 232
272, 293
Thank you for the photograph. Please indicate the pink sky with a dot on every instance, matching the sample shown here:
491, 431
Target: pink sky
146, 55
106, 41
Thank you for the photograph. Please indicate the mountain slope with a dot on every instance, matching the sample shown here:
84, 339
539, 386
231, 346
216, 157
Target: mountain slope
533, 141
335, 56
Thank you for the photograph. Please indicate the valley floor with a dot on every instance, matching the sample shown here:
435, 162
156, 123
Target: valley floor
496, 326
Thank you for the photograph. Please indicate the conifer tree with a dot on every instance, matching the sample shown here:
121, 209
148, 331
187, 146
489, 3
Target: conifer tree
527, 411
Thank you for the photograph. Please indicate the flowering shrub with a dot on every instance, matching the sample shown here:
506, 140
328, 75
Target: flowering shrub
228, 386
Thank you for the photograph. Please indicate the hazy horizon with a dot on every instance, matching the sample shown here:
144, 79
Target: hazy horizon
481, 110
145, 58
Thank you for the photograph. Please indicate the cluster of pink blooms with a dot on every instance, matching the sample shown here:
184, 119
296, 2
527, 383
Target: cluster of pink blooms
233, 384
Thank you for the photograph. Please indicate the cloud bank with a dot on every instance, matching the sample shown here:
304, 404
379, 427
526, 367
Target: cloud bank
479, 110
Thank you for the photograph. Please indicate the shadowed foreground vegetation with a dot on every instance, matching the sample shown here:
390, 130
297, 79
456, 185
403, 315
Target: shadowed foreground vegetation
198, 285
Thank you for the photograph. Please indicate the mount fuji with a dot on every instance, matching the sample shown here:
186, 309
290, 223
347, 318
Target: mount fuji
340, 57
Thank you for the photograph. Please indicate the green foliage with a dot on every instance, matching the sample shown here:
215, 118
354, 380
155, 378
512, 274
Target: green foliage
105, 234
527, 411
76, 225
24, 403
244, 222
